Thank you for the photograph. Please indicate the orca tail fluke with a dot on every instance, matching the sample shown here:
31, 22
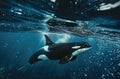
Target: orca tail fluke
34, 58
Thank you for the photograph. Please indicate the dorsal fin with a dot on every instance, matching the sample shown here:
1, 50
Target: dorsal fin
48, 40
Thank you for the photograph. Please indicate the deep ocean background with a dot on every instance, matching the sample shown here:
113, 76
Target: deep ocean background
18, 39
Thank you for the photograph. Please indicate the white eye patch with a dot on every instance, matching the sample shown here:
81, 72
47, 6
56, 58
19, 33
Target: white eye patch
76, 47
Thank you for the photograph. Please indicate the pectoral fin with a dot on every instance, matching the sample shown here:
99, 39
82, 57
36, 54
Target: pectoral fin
65, 59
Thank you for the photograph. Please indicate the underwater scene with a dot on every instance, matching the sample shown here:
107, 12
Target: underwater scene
59, 39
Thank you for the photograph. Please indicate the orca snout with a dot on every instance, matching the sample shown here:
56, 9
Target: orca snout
86, 45
33, 60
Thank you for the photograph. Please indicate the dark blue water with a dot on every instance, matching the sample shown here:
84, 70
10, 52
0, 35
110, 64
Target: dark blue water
22, 24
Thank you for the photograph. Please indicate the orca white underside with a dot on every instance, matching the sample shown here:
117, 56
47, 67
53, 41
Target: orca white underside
43, 57
80, 51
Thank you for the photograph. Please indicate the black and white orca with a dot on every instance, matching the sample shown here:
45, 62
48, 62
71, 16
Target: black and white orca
64, 52
61, 22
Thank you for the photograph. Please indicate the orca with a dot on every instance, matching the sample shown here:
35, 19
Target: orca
64, 52
61, 22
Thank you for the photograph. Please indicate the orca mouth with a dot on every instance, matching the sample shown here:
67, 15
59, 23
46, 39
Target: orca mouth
89, 46
33, 60
86, 45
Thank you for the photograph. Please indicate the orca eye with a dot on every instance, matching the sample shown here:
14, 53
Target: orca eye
76, 47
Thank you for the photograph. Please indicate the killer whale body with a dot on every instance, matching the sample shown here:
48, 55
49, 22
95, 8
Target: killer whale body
61, 22
64, 52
